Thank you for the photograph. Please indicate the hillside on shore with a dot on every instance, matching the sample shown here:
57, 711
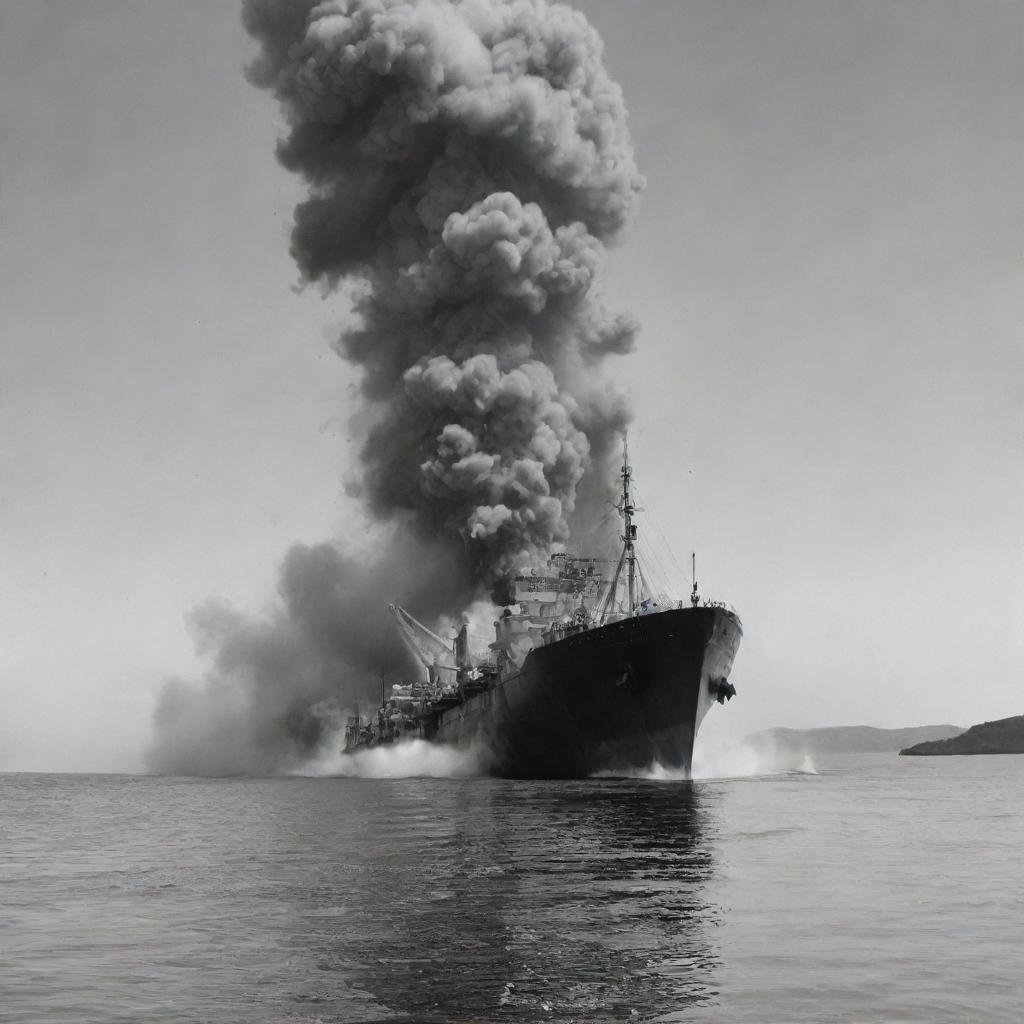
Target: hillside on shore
1004, 736
849, 739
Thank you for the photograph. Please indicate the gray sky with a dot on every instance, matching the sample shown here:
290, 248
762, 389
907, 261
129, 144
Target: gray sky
828, 266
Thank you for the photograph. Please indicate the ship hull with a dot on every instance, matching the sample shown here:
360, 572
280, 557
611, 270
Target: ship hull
617, 698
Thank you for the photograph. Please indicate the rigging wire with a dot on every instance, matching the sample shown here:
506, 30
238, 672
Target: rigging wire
653, 519
651, 573
656, 570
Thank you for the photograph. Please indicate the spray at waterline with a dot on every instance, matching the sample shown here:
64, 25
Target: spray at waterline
409, 759
420, 759
736, 761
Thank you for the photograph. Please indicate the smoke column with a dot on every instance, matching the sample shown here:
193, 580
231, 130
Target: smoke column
466, 163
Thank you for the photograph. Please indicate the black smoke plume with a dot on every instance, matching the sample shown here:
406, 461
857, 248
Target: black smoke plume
466, 163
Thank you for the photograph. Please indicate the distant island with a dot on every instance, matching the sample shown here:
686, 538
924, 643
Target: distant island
850, 739
1005, 736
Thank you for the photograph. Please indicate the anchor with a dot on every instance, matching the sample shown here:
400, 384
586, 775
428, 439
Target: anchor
721, 689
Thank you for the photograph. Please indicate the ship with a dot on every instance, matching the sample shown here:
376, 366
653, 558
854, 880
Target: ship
590, 672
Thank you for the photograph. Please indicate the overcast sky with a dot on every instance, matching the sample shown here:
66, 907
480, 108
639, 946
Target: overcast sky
827, 264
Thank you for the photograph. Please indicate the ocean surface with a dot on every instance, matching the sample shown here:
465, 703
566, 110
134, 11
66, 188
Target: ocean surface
857, 888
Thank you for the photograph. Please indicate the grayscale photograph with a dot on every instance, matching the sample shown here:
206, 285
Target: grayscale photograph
512, 511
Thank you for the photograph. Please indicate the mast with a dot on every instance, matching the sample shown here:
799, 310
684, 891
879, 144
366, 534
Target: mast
630, 534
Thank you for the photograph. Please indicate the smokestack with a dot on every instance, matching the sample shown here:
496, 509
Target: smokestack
466, 163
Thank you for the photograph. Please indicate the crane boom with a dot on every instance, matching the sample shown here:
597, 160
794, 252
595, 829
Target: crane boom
422, 643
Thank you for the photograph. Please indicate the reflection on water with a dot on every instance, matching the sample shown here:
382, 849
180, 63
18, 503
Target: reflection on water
510, 901
340, 900
332, 901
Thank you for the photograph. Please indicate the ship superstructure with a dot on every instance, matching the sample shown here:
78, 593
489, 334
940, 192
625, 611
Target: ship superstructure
588, 671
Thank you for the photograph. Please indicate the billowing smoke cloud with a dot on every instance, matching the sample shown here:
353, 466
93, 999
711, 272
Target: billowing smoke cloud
278, 684
466, 162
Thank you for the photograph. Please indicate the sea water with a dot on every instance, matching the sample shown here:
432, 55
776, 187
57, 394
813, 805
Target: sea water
862, 888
